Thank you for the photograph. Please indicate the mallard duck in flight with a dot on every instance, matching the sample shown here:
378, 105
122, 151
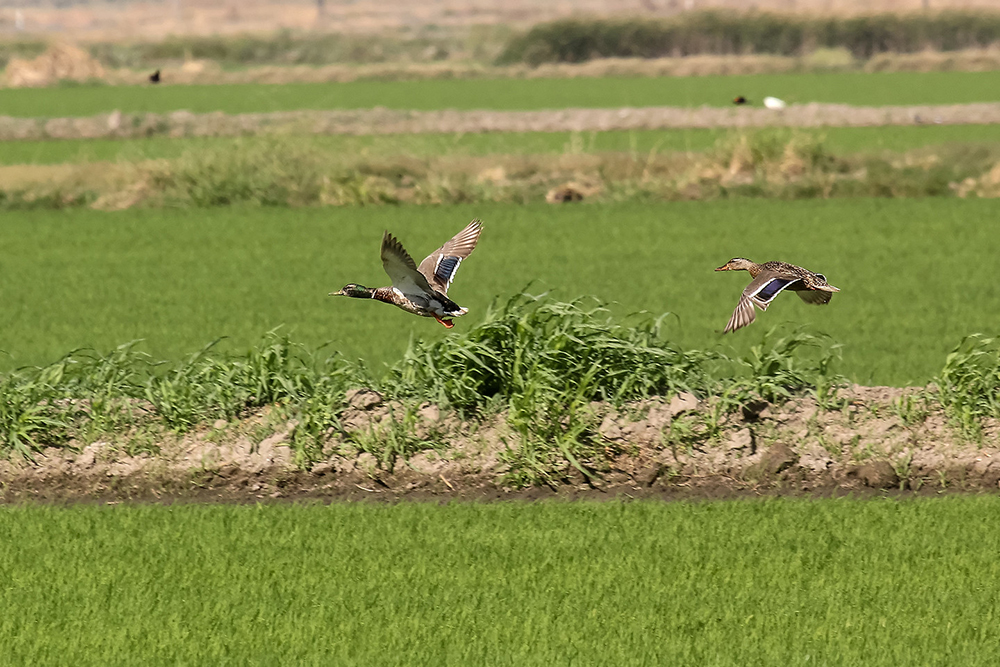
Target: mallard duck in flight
768, 280
421, 290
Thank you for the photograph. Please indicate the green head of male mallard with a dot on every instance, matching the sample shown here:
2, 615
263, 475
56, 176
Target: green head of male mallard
737, 264
353, 290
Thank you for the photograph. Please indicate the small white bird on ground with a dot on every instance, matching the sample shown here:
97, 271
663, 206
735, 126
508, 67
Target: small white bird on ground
774, 103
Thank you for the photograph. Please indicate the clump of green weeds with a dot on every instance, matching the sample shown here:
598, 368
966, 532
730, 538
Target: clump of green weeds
395, 437
28, 417
85, 394
912, 408
782, 366
969, 384
543, 362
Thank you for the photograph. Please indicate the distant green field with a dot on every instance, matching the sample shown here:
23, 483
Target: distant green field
916, 275
846, 88
828, 582
837, 139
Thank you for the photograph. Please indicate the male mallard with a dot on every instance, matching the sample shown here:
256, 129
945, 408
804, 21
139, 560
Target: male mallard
769, 279
421, 290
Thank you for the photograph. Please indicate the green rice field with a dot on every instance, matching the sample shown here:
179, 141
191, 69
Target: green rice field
917, 275
827, 582
843, 87
835, 139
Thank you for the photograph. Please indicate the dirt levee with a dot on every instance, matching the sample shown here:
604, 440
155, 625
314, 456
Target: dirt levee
880, 439
387, 121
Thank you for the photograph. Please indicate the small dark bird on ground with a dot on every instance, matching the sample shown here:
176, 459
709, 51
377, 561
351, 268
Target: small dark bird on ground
154, 77
768, 280
740, 100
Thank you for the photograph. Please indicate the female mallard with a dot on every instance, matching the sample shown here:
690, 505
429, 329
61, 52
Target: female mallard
768, 280
421, 290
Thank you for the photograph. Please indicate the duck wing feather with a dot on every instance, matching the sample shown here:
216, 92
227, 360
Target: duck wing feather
815, 297
760, 292
769, 284
401, 268
742, 316
440, 267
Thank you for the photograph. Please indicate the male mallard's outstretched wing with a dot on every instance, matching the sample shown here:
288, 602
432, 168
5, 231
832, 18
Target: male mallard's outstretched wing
440, 267
401, 268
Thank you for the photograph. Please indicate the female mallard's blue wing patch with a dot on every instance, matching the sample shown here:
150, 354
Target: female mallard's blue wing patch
440, 267
768, 288
401, 268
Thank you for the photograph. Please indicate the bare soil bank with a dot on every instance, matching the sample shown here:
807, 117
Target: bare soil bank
880, 440
386, 121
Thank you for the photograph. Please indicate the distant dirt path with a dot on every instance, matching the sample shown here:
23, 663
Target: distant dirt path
387, 121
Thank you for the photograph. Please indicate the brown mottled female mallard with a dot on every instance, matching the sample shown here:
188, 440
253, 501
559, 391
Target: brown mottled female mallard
421, 290
768, 280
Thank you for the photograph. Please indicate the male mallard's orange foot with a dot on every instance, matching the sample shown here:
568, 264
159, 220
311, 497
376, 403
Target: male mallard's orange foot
448, 324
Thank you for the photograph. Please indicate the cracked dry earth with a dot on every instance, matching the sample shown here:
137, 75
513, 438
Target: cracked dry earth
879, 440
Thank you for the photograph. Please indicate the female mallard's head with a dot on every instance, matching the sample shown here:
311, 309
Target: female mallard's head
357, 291
737, 264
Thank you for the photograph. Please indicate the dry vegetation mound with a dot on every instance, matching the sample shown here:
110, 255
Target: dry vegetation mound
61, 62
294, 172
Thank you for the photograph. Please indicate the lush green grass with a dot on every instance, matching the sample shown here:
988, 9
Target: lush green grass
916, 275
837, 582
836, 139
845, 87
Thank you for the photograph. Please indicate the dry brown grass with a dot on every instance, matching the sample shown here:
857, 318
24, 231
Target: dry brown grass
45, 72
970, 60
154, 20
61, 62
205, 72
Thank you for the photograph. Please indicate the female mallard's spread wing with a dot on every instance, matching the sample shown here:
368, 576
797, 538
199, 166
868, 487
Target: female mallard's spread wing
742, 316
760, 292
401, 268
440, 267
766, 286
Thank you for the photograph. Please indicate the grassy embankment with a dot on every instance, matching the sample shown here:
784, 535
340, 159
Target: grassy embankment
867, 89
836, 582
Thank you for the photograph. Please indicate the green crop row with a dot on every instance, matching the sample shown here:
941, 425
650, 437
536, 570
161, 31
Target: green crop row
177, 278
575, 40
858, 88
778, 582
